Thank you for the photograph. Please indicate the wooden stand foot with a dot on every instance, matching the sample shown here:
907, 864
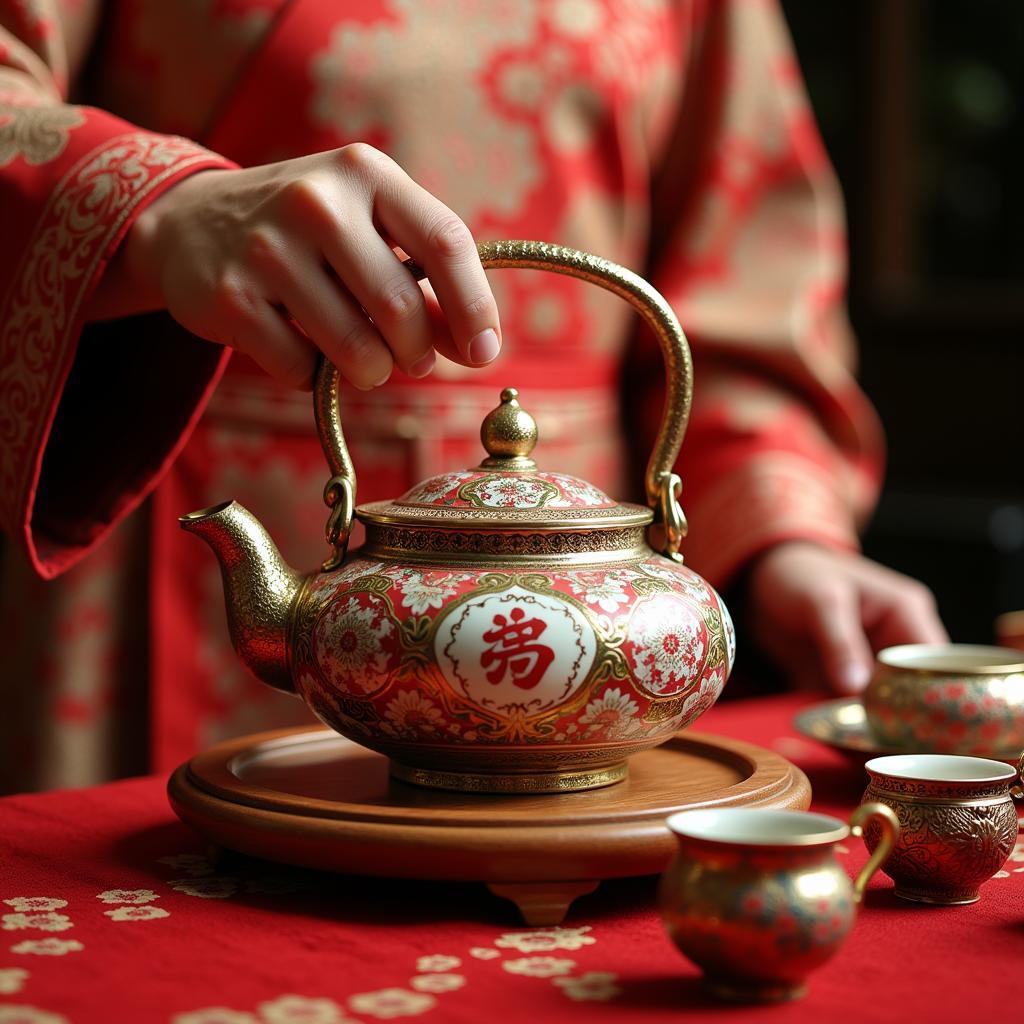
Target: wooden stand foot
542, 903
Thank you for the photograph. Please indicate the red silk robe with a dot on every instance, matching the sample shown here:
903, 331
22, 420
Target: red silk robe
672, 137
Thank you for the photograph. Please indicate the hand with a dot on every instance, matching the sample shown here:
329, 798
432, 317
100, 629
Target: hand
286, 259
821, 614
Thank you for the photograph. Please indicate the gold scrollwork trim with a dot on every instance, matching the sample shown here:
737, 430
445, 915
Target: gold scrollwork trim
500, 547
881, 791
398, 514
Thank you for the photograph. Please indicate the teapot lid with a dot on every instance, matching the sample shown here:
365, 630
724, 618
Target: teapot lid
507, 487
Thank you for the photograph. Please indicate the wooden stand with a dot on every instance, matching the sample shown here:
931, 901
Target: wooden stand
312, 798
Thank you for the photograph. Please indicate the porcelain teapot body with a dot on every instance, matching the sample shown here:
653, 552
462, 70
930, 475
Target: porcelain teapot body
503, 628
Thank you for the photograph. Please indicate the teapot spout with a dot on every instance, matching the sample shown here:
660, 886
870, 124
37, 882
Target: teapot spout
259, 587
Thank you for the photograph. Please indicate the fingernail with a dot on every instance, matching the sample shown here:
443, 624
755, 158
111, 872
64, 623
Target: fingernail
422, 366
484, 347
383, 380
854, 676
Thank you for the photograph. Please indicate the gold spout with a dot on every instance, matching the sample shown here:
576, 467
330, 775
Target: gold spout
259, 587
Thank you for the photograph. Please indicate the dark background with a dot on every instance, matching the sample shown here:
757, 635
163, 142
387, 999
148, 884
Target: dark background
921, 105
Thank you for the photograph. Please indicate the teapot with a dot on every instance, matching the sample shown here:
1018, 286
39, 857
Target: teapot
503, 628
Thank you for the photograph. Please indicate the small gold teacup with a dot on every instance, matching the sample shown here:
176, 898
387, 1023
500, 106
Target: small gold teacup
958, 822
948, 699
757, 899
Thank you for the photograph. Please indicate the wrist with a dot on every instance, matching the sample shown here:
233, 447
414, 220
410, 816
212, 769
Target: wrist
134, 281
140, 270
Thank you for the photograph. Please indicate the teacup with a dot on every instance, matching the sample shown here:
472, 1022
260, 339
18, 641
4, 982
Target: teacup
757, 899
958, 822
948, 699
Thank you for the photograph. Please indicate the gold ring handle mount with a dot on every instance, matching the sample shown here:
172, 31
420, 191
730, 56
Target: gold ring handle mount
661, 483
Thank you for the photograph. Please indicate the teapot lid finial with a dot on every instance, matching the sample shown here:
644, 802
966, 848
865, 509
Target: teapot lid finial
509, 433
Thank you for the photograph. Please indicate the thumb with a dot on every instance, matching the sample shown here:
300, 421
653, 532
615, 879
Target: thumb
842, 646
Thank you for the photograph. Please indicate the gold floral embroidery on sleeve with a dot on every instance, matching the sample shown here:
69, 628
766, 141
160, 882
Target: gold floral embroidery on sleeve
39, 134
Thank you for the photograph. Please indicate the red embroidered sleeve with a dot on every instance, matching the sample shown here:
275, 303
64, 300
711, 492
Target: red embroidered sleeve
88, 418
781, 444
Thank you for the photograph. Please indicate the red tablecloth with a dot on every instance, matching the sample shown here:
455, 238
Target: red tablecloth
112, 914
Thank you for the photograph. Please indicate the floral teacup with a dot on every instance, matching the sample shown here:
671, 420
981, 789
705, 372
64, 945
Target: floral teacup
757, 899
948, 699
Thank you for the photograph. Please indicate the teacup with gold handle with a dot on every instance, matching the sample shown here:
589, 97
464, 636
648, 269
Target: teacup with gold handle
957, 817
757, 899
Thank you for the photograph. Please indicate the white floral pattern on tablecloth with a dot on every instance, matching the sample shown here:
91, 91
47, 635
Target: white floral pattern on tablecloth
484, 953
136, 913
539, 966
200, 879
127, 896
293, 1009
388, 1003
206, 887
48, 947
437, 984
45, 922
286, 1009
35, 904
594, 986
12, 979
188, 863
438, 962
215, 1015
29, 1015
542, 940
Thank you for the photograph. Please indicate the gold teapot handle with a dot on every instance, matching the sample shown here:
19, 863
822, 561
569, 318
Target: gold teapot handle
890, 826
661, 483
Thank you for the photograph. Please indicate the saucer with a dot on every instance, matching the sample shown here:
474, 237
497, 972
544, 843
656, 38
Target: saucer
843, 725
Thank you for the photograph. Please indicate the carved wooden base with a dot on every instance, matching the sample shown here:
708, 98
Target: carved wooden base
312, 798
542, 903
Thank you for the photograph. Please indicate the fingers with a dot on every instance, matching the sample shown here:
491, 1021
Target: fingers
902, 612
255, 326
329, 316
444, 247
835, 623
387, 292
315, 236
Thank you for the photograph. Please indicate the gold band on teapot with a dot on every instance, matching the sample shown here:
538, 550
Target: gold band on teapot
661, 484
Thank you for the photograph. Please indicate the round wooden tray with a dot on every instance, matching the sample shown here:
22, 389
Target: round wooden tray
312, 798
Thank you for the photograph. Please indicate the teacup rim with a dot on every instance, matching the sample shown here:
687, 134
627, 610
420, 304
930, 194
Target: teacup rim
836, 831
894, 657
999, 771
